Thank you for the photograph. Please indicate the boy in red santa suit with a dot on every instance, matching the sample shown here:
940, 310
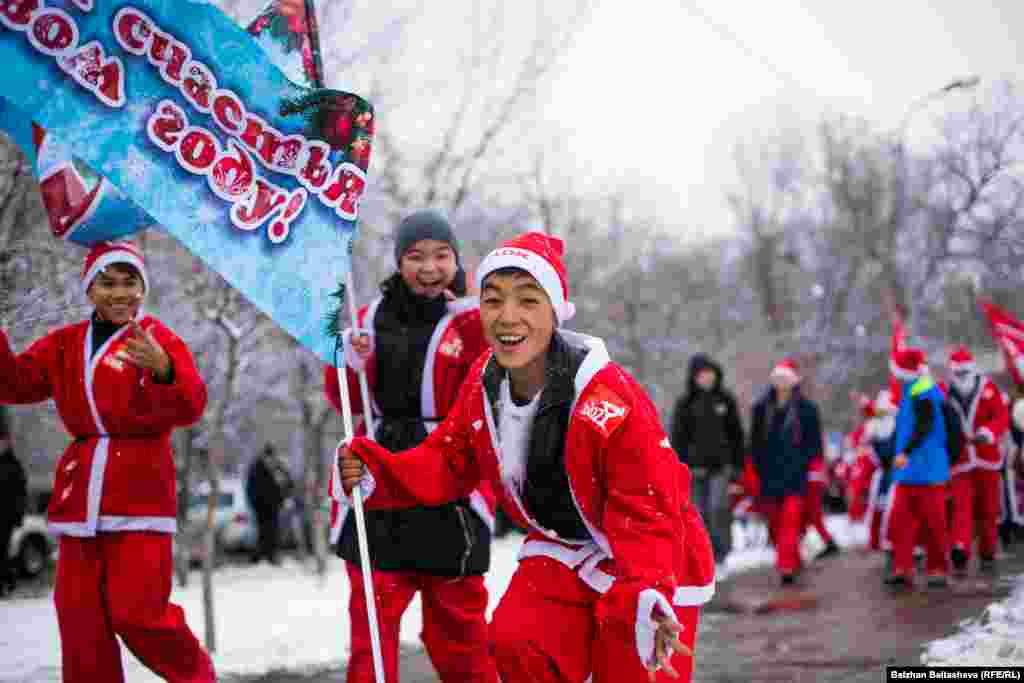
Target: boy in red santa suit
617, 561
121, 382
977, 469
417, 342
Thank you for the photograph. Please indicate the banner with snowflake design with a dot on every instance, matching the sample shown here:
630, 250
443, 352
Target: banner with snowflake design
183, 111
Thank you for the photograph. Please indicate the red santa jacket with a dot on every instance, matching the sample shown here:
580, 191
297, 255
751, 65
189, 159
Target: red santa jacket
456, 342
628, 485
118, 473
861, 474
988, 417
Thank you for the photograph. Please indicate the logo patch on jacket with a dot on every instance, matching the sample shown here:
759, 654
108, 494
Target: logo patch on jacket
604, 409
451, 345
116, 360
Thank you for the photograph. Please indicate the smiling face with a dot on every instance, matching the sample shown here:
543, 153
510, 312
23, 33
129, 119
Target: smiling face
117, 293
518, 320
428, 267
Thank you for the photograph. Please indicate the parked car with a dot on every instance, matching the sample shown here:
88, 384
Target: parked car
33, 547
233, 518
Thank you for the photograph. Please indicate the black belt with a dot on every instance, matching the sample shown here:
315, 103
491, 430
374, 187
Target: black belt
406, 419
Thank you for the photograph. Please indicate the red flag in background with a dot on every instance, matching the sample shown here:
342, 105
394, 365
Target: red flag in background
897, 343
1008, 333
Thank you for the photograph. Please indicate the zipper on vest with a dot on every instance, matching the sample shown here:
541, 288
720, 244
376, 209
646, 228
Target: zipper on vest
468, 536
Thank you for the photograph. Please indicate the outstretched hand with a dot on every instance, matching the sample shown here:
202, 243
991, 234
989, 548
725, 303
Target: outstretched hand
145, 351
666, 644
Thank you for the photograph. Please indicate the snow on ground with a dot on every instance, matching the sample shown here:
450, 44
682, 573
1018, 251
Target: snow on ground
267, 618
996, 638
287, 618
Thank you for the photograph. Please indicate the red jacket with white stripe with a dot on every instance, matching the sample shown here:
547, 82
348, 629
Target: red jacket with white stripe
628, 485
118, 473
989, 417
457, 341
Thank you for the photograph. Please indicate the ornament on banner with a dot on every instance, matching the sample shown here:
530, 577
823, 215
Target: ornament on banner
222, 135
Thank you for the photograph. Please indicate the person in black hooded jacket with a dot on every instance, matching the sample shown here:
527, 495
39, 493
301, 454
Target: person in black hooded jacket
13, 498
708, 437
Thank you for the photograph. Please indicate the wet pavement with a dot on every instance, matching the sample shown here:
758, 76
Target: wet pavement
838, 624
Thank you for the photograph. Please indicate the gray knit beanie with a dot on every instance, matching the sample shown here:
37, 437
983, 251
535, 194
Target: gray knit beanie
425, 224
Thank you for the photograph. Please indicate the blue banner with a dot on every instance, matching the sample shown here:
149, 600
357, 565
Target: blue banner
182, 111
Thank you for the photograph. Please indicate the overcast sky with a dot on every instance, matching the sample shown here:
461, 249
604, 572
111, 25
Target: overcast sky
654, 89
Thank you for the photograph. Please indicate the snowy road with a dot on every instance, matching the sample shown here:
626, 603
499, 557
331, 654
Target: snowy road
284, 619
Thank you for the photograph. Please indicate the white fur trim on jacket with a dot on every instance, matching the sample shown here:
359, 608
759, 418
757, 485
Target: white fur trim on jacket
1018, 413
646, 626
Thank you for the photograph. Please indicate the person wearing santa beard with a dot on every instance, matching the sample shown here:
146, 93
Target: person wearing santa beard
785, 431
121, 381
977, 469
616, 561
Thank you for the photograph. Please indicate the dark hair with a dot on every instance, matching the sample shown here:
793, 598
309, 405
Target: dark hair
507, 271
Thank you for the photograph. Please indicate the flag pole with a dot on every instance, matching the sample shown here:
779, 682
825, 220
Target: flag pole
357, 494
346, 401
357, 506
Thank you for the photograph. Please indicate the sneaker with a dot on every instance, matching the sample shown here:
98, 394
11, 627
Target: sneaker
959, 557
987, 565
830, 550
938, 581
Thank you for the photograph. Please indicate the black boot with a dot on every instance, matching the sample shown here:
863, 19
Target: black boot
830, 550
896, 581
959, 557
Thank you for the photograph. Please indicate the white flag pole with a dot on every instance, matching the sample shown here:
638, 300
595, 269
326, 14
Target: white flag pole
357, 493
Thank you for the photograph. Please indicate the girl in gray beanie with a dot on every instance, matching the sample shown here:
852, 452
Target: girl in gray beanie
416, 343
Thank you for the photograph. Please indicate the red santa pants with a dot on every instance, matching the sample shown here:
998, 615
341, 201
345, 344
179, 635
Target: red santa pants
976, 498
119, 584
786, 524
918, 515
815, 509
454, 625
546, 630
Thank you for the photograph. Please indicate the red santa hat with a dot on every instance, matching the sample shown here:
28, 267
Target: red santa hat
961, 359
908, 364
105, 254
786, 368
540, 255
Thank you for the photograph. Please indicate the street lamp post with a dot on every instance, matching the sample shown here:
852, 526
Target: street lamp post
900, 200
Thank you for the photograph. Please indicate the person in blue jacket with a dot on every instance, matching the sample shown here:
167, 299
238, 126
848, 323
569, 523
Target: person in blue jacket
919, 475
